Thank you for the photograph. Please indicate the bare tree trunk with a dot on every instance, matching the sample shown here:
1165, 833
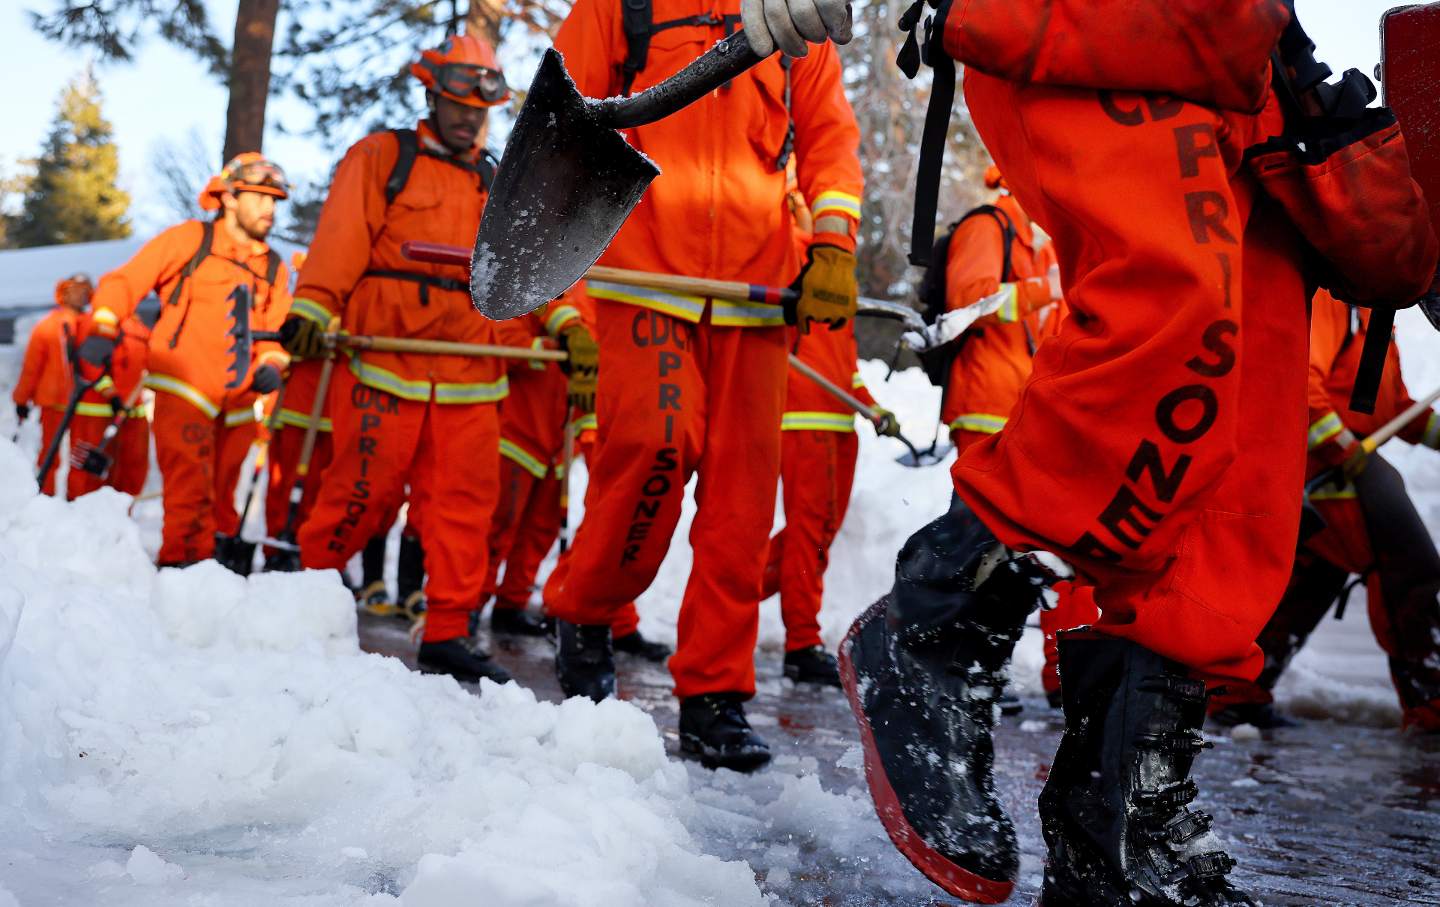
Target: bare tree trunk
250, 75
483, 18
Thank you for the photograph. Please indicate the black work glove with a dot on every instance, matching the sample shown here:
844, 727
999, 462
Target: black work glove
117, 405
266, 379
97, 350
22, 412
302, 338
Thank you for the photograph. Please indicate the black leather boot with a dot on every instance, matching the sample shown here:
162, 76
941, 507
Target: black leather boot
584, 660
635, 644
812, 665
1115, 810
461, 658
235, 554
517, 622
713, 729
923, 669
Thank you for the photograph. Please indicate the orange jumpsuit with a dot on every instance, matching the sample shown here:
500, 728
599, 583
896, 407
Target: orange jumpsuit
202, 430
130, 450
46, 376
301, 383
818, 449
689, 384
1371, 528
398, 418
1155, 445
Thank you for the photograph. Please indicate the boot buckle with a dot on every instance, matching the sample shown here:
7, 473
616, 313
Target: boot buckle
1206, 867
1184, 827
1167, 799
1180, 743
1187, 689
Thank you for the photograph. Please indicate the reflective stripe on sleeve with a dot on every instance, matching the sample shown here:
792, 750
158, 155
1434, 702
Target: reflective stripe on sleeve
1324, 429
311, 310
833, 202
807, 421
980, 423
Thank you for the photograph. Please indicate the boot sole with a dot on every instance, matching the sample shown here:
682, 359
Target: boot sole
956, 880
693, 748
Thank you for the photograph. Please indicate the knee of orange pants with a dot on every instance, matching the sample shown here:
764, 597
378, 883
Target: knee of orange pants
1121, 454
624, 619
374, 439
185, 452
87, 431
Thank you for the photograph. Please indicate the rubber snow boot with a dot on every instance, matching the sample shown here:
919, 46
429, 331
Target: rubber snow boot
410, 578
714, 730
1115, 810
584, 660
461, 658
923, 668
635, 644
375, 599
812, 665
517, 622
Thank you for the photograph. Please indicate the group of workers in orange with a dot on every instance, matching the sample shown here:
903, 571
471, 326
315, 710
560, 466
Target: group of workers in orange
1181, 540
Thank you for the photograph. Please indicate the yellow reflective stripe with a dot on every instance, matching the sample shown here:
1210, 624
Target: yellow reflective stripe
587, 422
102, 410
172, 385
688, 308
833, 202
1324, 429
803, 421
1432, 431
537, 364
523, 458
311, 310
302, 420
236, 417
386, 380
104, 384
1009, 311
856, 382
983, 423
139, 412
104, 318
560, 316
280, 358
1328, 492
745, 315
492, 392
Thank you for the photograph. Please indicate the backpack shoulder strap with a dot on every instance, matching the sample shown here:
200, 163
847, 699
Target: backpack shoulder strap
787, 147
636, 17
1007, 235
272, 268
207, 239
486, 167
404, 163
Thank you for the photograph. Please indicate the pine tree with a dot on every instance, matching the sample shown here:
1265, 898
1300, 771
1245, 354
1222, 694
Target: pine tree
72, 196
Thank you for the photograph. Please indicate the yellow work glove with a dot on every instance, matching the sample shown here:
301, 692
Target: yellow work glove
1353, 458
582, 368
826, 288
302, 338
886, 425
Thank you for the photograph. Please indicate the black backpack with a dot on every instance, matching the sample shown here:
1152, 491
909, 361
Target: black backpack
637, 18
932, 290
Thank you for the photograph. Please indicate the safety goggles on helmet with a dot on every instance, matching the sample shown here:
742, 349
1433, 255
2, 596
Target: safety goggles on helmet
464, 79
79, 277
256, 175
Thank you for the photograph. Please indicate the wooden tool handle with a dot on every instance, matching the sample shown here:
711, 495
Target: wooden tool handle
832, 389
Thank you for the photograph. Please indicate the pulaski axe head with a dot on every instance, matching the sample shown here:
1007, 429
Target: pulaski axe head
566, 184
240, 338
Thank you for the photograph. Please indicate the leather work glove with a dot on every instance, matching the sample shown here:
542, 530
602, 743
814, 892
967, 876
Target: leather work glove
266, 379
1353, 460
302, 338
582, 368
886, 425
97, 350
788, 24
827, 289
22, 412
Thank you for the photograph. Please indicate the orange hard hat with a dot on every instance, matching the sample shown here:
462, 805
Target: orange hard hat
463, 69
994, 179
249, 171
66, 283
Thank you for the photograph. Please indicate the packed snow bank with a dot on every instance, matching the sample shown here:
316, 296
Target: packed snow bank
196, 732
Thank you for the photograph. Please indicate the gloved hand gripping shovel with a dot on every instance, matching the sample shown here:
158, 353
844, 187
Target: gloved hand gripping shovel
568, 179
849, 400
94, 458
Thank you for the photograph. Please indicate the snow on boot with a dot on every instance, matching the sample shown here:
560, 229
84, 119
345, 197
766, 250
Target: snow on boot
517, 622
461, 658
923, 668
584, 660
635, 644
1115, 808
375, 599
713, 729
812, 665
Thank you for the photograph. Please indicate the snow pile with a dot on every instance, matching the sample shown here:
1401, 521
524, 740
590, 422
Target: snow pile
196, 732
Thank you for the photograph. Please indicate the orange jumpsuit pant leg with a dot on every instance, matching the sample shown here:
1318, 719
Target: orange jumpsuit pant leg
531, 518
454, 486
232, 446
375, 438
131, 450
86, 430
50, 420
185, 450
284, 455
1074, 607
817, 470
1186, 346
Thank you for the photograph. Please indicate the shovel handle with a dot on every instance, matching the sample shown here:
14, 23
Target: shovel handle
718, 65
831, 388
432, 347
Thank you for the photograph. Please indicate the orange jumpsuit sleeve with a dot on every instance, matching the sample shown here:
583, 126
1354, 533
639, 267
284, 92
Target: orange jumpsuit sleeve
42, 346
157, 263
352, 217
1328, 322
859, 390
591, 41
827, 143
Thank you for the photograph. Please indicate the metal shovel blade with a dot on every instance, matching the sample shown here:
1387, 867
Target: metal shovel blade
934, 455
565, 185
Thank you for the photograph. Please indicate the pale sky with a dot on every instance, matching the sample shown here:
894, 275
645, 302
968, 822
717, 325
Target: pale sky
166, 92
